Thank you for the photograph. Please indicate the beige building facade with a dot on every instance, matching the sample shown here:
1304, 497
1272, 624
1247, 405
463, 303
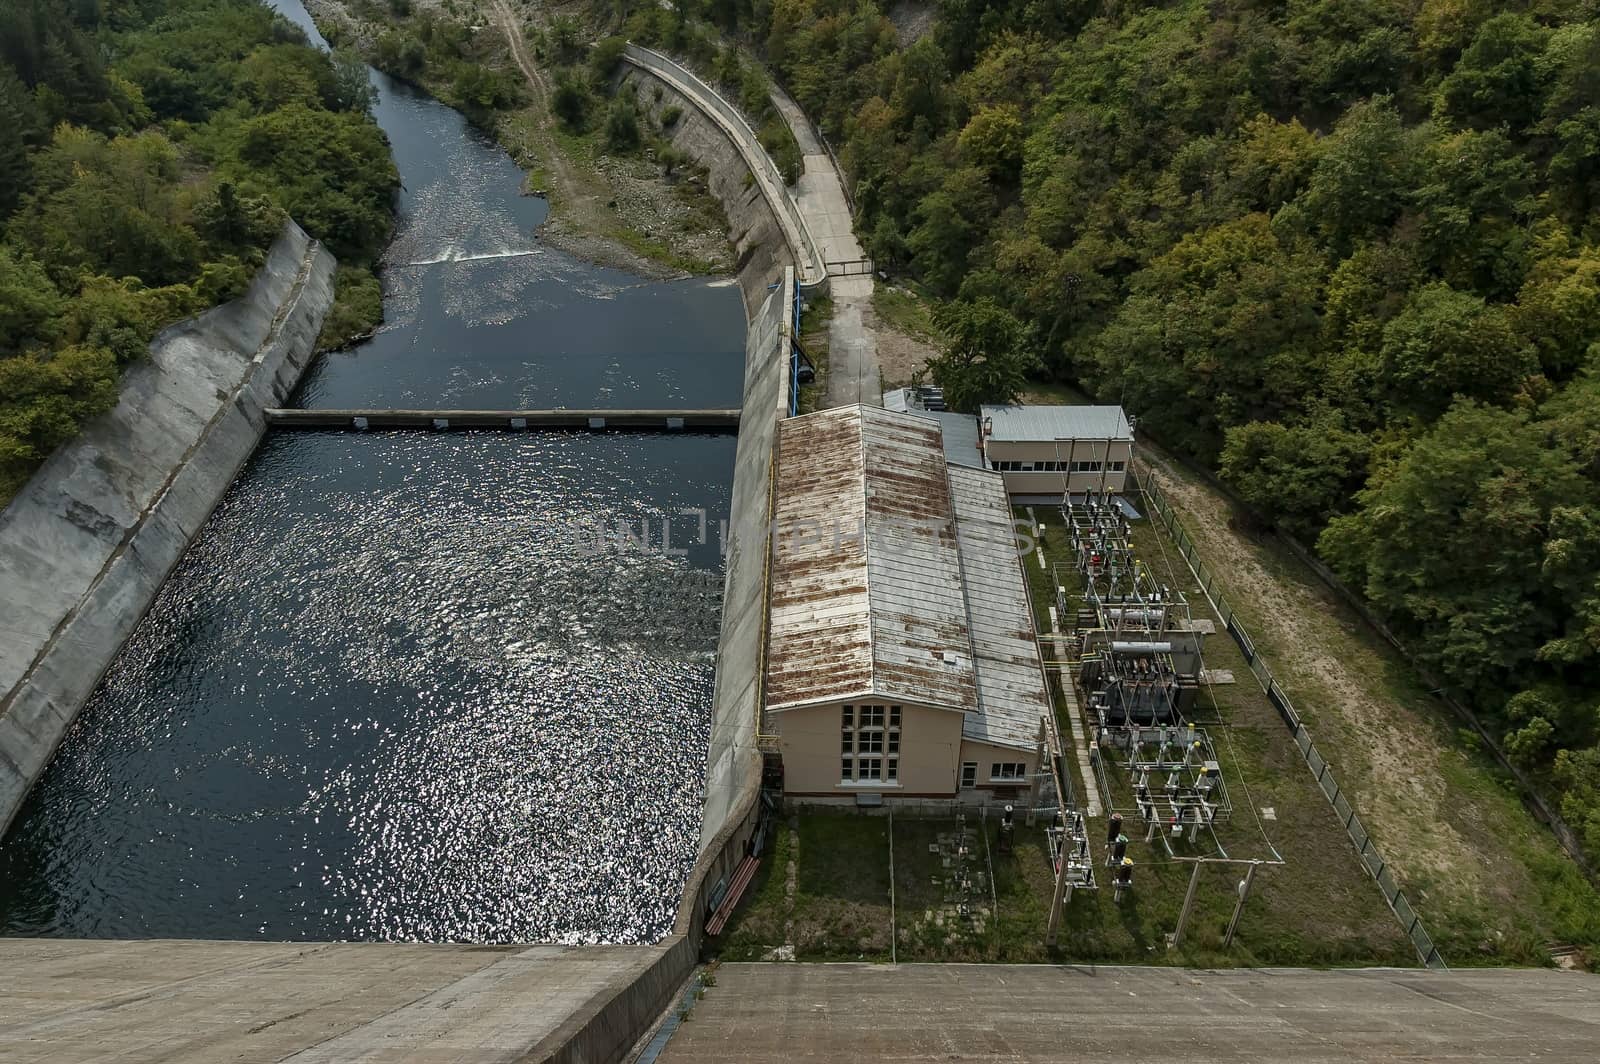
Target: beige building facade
901, 661
1051, 451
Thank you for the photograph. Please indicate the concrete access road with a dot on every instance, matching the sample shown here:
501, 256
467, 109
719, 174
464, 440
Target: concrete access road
853, 369
783, 1013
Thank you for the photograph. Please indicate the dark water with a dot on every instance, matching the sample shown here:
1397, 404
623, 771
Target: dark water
400, 688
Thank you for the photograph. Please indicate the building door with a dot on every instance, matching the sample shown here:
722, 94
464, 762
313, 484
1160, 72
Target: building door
969, 774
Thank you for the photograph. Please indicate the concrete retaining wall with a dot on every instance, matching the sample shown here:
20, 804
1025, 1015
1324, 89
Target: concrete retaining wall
712, 109
761, 242
87, 544
733, 765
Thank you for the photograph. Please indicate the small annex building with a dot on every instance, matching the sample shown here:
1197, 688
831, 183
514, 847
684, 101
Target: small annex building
1048, 452
901, 656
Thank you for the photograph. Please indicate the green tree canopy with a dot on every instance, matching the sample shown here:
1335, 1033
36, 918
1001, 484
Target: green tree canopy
988, 358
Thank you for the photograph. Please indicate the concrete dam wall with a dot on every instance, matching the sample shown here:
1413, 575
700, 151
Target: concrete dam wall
87, 544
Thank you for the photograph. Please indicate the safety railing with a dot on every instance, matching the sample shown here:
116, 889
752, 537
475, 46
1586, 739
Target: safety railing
1371, 859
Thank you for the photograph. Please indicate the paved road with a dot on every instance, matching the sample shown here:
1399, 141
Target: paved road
819, 194
68, 1001
784, 1013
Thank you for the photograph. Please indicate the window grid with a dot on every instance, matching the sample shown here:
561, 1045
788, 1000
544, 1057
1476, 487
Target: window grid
866, 733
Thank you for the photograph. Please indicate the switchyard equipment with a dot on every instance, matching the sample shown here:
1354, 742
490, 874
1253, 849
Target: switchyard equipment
1139, 655
1068, 840
1139, 667
1175, 774
1069, 852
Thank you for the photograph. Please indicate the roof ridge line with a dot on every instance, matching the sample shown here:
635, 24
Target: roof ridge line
866, 558
966, 591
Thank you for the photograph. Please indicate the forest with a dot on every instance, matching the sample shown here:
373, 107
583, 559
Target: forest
149, 153
1344, 255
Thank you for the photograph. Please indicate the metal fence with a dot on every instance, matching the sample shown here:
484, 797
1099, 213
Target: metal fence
1371, 859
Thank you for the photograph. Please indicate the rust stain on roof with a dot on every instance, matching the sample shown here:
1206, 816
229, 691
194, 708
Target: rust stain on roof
866, 580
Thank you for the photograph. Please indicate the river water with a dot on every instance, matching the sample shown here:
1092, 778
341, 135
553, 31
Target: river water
401, 688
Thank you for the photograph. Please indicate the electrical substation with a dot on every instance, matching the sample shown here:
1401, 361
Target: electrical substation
1138, 665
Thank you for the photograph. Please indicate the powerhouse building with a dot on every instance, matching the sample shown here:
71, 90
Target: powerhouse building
901, 657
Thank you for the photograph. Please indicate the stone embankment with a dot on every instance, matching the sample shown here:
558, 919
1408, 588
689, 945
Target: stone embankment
716, 126
87, 544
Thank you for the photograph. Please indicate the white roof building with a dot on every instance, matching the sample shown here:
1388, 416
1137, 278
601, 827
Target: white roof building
1040, 424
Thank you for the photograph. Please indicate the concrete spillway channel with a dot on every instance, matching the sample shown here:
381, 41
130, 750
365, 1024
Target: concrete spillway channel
85, 550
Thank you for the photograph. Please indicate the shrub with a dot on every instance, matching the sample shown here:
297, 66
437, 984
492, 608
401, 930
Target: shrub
571, 101
622, 126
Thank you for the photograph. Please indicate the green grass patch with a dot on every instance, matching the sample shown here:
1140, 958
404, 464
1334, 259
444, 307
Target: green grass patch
907, 311
1491, 884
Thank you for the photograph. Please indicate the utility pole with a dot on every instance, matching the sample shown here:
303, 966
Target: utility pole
1188, 905
1238, 909
1059, 897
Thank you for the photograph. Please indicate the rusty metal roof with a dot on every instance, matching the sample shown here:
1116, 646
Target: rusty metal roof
1012, 692
866, 576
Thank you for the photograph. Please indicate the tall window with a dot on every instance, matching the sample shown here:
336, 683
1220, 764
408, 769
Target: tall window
869, 744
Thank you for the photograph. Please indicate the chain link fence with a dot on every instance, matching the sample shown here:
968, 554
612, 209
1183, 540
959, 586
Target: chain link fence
1368, 851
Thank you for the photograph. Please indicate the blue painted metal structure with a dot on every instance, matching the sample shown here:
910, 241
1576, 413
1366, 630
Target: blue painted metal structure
794, 357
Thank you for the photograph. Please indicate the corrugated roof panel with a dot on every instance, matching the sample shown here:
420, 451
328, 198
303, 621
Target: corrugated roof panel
960, 433
820, 631
883, 612
1012, 694
921, 649
1042, 423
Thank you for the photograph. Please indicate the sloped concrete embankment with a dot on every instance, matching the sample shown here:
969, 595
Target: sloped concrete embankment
764, 238
87, 544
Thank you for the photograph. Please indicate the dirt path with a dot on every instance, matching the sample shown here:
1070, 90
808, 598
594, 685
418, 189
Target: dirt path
1382, 750
572, 195
579, 216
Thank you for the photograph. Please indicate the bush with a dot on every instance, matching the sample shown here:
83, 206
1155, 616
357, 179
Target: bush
670, 159
357, 308
399, 54
670, 115
571, 101
622, 126
566, 40
605, 57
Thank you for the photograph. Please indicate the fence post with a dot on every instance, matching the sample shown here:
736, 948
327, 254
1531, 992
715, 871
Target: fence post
1430, 956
